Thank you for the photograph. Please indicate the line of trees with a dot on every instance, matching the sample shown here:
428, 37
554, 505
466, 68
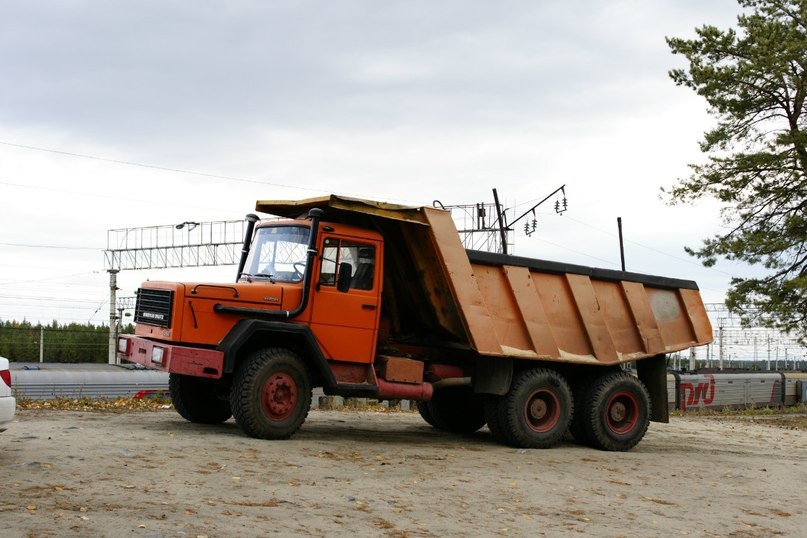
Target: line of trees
74, 342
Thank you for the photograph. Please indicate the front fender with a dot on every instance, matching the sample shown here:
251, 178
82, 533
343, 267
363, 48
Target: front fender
248, 335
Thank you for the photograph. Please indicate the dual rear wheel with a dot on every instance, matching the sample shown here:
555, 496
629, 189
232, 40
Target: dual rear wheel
535, 413
613, 411
609, 412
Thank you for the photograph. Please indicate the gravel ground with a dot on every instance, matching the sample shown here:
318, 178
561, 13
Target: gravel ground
359, 473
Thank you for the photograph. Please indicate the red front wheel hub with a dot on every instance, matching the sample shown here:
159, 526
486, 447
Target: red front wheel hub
279, 396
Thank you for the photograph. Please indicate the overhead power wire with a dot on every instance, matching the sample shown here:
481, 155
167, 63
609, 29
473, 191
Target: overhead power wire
685, 260
48, 299
175, 170
53, 278
107, 196
29, 245
154, 166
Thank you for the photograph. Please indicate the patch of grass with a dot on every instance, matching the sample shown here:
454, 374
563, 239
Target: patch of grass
790, 418
117, 405
789, 422
751, 412
155, 403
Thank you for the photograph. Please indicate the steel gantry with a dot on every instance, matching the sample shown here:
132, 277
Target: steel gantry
187, 244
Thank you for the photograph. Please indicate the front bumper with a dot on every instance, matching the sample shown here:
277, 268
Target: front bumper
193, 361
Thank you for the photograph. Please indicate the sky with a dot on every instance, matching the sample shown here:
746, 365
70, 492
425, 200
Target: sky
142, 113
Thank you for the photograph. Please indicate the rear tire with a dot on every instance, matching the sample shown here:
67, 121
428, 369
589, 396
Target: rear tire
271, 394
196, 399
617, 412
455, 409
536, 412
491, 407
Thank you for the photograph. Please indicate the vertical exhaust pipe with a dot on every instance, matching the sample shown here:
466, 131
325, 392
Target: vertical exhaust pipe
314, 215
251, 220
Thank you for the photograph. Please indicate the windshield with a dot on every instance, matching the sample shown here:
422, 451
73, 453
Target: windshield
278, 253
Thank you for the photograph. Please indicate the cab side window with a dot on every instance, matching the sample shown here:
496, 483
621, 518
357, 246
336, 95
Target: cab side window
330, 261
360, 256
363, 262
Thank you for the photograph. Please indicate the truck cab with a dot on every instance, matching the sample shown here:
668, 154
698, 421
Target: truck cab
336, 294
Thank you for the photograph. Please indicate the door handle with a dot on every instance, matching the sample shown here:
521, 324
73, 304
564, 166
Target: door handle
369, 306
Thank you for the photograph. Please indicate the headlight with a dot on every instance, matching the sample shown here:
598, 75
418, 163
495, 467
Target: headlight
123, 345
157, 355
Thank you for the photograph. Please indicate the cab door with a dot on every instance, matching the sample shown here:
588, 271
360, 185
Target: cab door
346, 322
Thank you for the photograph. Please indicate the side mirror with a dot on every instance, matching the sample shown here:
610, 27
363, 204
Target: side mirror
345, 276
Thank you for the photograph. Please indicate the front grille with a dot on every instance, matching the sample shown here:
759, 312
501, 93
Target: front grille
154, 307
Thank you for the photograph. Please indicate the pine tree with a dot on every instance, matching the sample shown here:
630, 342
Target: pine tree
754, 79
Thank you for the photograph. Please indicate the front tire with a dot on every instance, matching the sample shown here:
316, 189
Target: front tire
426, 414
196, 399
271, 394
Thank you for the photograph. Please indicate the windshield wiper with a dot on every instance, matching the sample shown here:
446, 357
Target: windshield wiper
249, 277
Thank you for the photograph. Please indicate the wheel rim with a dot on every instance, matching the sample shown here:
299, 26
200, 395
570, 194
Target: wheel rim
622, 412
279, 396
542, 411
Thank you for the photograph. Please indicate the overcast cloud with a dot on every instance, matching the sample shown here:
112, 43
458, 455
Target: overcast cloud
401, 101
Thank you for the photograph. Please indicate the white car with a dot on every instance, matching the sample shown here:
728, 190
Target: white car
7, 402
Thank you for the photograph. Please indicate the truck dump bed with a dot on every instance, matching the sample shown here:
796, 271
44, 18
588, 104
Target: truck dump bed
438, 294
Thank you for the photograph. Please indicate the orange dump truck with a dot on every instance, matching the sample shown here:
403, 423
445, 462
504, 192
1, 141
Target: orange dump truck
378, 300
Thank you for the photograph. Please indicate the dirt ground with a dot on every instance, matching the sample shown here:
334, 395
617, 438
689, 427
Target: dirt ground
151, 474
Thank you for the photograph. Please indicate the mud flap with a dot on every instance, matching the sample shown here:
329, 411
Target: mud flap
653, 373
493, 375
